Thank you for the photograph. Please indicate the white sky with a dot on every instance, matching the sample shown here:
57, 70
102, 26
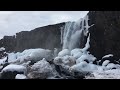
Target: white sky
12, 22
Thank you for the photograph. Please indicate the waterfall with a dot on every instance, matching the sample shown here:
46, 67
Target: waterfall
73, 32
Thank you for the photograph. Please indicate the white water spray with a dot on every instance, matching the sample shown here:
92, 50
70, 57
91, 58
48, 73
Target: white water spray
73, 32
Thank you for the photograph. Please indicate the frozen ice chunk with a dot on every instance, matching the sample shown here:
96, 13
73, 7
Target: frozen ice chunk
13, 67
90, 58
105, 63
110, 66
74, 51
20, 76
84, 66
69, 60
64, 52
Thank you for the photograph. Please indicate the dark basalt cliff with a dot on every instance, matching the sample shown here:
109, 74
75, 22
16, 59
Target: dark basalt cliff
47, 37
105, 34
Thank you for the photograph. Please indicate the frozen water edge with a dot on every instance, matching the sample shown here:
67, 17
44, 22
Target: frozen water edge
108, 74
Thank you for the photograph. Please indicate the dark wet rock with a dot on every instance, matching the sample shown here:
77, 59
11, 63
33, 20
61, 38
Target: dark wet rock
37, 38
105, 34
9, 74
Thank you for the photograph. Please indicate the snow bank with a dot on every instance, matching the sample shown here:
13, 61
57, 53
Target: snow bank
20, 76
13, 67
64, 52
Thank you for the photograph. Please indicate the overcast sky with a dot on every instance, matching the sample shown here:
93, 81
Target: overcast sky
12, 22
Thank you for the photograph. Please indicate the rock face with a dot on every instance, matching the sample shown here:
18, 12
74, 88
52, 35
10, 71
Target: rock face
105, 34
47, 37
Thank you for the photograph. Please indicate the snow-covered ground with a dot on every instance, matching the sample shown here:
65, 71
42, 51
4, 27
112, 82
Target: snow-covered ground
108, 74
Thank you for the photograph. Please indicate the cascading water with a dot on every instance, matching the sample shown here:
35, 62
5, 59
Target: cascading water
73, 32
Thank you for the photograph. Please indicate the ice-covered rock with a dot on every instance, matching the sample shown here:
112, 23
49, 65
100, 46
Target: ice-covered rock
105, 63
88, 57
40, 70
111, 66
33, 55
39, 54
20, 76
12, 68
10, 71
84, 66
69, 60
64, 52
66, 60
58, 60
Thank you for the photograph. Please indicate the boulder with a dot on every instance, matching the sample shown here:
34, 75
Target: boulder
41, 70
10, 71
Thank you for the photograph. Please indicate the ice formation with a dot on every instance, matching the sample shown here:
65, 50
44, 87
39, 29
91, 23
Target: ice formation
73, 32
20, 76
13, 67
30, 55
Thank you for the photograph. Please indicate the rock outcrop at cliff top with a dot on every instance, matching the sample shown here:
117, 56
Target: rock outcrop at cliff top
105, 34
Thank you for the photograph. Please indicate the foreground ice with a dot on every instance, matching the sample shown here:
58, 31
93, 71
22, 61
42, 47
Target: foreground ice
30, 54
108, 74
12, 68
74, 60
20, 76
